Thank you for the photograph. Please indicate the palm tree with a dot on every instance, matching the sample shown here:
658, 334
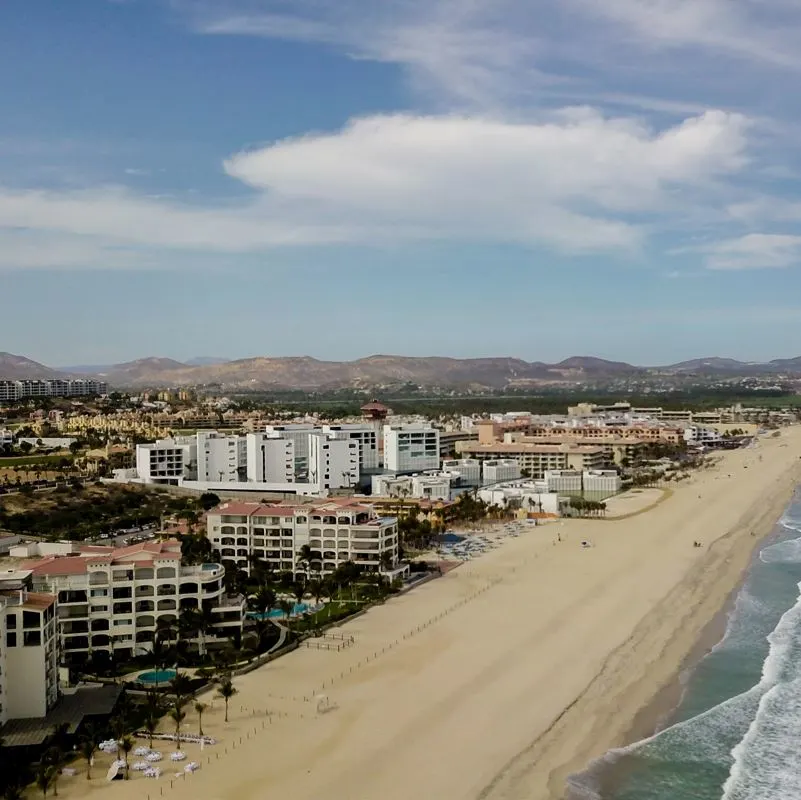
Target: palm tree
181, 687
126, 744
199, 709
177, 715
45, 777
151, 724
227, 690
286, 607
88, 748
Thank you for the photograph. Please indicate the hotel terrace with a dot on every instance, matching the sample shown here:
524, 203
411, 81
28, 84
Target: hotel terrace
116, 599
336, 531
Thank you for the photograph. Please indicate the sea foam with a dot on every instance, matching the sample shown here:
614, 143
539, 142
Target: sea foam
767, 761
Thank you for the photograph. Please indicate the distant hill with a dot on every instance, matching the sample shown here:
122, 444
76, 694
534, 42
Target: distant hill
14, 367
206, 361
383, 371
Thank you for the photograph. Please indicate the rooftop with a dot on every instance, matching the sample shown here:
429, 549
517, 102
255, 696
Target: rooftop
94, 555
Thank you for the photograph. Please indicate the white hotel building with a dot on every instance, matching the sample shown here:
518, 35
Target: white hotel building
337, 532
410, 448
29, 685
115, 599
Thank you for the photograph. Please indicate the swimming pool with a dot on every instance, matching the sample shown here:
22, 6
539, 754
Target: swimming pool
276, 613
156, 676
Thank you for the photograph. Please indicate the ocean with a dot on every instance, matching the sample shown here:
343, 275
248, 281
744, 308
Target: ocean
736, 733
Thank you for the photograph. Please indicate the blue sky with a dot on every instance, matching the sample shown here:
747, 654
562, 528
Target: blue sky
426, 177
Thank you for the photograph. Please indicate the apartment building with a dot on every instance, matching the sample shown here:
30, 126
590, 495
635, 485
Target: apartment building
167, 461
431, 487
706, 437
448, 440
497, 471
571, 481
333, 463
535, 460
29, 648
271, 459
336, 532
463, 471
365, 435
117, 599
11, 390
411, 448
221, 458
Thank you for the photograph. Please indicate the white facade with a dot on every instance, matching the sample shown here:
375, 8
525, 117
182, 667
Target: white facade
465, 471
365, 435
501, 470
6, 437
563, 480
20, 390
117, 599
391, 485
602, 480
167, 460
333, 463
702, 436
526, 496
298, 434
411, 448
336, 533
221, 458
431, 487
269, 459
29, 685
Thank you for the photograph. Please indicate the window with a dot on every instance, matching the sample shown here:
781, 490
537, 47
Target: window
99, 593
11, 621
11, 639
32, 639
30, 619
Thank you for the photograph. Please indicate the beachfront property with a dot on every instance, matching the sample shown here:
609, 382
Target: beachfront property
116, 599
702, 437
527, 497
535, 459
29, 679
411, 448
336, 531
568, 481
12, 390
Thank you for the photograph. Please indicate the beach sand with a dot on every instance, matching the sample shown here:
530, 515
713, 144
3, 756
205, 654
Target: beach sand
504, 676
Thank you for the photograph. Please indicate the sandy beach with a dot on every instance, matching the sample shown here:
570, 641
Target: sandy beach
504, 676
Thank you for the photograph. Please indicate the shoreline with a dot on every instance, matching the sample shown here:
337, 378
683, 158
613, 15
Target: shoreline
504, 676
655, 716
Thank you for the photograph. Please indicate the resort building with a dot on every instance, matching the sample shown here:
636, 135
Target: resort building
336, 532
703, 437
563, 481
11, 390
528, 497
463, 471
411, 448
499, 471
119, 599
568, 481
534, 460
29, 685
271, 459
431, 487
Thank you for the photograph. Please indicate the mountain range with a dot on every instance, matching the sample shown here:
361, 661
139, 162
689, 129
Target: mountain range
304, 372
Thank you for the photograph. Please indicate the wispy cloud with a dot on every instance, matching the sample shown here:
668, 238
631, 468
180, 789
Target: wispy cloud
575, 181
755, 251
491, 53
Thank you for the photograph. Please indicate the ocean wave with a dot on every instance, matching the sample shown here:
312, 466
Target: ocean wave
786, 552
766, 762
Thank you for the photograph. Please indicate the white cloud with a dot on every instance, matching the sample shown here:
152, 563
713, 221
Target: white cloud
755, 251
574, 181
493, 54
